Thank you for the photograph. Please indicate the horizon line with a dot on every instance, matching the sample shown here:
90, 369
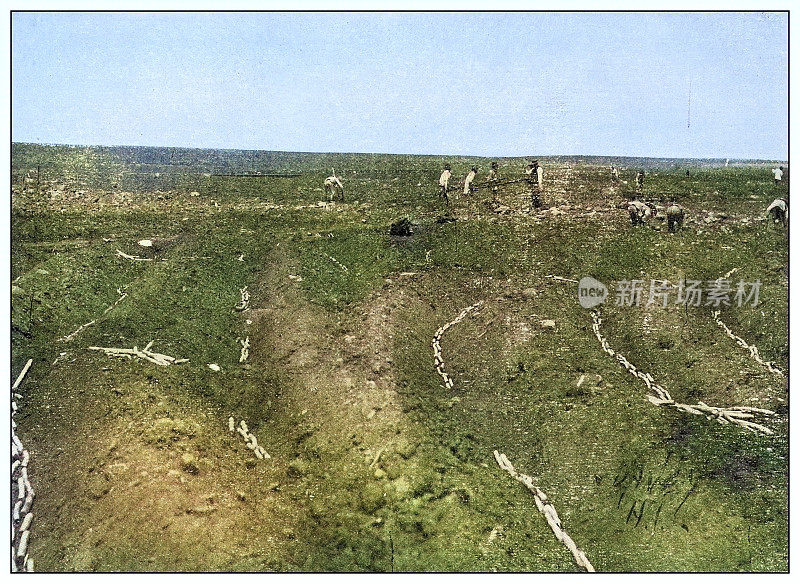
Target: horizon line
541, 155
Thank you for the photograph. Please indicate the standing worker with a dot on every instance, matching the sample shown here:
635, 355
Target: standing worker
614, 174
444, 180
539, 175
639, 182
778, 172
468, 181
492, 179
534, 172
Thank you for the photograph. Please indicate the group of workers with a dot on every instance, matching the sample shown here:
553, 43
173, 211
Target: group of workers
639, 211
534, 176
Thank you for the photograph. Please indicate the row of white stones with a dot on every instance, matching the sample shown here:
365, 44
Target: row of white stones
547, 509
250, 439
743, 344
22, 516
438, 362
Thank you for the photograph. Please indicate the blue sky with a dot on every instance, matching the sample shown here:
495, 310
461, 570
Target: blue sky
492, 84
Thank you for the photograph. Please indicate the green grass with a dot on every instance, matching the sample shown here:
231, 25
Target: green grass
711, 498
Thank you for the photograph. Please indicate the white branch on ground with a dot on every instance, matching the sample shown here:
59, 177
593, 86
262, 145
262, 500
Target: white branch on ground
146, 354
753, 350
337, 262
547, 509
21, 517
131, 257
77, 331
250, 439
243, 303
22, 374
560, 279
738, 415
245, 349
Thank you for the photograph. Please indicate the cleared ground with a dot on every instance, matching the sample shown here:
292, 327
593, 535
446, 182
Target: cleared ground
376, 465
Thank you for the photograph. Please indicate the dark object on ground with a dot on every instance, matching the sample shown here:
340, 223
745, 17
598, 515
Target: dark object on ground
16, 329
402, 228
442, 219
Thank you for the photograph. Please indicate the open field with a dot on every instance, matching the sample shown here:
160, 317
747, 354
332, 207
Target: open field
375, 464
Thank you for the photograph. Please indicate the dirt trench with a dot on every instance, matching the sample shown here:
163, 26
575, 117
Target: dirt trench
151, 479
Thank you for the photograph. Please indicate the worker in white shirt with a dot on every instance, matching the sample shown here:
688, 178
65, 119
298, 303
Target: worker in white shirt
444, 180
468, 181
333, 187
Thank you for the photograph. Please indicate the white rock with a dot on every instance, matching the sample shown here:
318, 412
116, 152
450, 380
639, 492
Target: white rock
214, 367
145, 242
26, 523
23, 544
28, 503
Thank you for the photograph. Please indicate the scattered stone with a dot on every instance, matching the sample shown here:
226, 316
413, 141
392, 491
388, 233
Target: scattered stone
99, 486
405, 447
298, 468
189, 463
548, 324
372, 497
